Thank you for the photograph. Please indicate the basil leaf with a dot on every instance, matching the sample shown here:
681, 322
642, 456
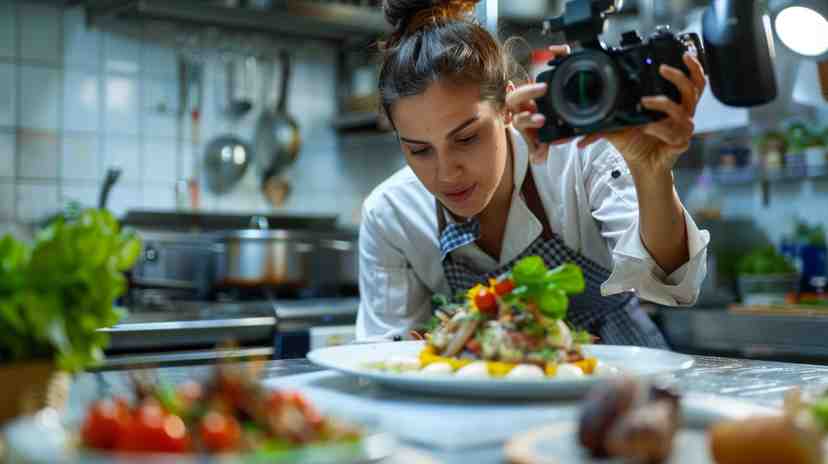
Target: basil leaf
553, 302
529, 271
568, 277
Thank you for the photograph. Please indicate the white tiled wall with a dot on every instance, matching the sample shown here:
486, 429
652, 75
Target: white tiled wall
76, 101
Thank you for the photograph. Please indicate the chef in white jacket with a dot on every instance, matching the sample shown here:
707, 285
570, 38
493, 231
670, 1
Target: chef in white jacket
480, 191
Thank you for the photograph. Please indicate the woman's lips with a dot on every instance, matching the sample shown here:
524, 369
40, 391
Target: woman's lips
460, 196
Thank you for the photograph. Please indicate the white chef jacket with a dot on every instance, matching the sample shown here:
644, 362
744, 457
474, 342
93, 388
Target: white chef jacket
589, 199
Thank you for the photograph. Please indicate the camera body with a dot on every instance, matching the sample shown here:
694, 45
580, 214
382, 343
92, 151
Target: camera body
599, 88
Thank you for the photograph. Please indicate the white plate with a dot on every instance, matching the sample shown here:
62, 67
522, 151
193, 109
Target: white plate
352, 359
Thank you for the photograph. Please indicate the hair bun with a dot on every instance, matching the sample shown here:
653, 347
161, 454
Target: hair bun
401, 13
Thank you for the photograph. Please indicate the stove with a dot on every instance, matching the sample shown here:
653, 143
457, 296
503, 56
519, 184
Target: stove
171, 331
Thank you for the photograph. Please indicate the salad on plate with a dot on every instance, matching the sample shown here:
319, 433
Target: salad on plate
511, 327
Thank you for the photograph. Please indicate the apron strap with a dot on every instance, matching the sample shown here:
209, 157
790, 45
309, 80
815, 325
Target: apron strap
533, 201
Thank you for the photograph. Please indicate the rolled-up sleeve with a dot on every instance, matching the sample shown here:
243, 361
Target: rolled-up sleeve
615, 206
393, 300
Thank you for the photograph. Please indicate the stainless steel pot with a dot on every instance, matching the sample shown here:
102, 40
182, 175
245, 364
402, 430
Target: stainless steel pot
273, 258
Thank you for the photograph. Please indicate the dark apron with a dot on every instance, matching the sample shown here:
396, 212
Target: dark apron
617, 319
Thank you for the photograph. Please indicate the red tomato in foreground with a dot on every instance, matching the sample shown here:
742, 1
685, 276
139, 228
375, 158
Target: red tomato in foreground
219, 432
105, 422
486, 302
154, 430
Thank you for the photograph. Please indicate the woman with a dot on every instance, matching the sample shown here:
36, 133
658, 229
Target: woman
480, 191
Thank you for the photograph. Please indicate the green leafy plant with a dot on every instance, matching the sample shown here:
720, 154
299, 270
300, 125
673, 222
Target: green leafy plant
810, 235
765, 261
57, 292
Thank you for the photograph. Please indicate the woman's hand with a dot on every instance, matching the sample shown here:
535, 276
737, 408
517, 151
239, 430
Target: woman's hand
655, 147
520, 104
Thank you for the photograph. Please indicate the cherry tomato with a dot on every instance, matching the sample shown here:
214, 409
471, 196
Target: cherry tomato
154, 430
220, 432
145, 429
104, 423
504, 286
486, 302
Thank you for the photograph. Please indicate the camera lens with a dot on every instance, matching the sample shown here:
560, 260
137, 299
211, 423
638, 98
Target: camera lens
584, 89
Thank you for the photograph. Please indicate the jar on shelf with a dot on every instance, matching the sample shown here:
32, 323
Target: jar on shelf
772, 147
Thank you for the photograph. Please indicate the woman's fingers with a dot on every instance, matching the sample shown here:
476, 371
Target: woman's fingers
523, 97
688, 91
527, 120
665, 105
696, 72
560, 50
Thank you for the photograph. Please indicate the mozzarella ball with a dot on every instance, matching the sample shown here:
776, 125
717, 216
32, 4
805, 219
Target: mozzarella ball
475, 370
525, 372
438, 368
568, 371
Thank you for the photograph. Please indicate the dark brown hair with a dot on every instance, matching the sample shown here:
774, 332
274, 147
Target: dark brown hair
453, 48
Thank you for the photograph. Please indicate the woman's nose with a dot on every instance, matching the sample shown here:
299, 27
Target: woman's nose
448, 169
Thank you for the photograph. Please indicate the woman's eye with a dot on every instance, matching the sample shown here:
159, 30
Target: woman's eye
467, 140
421, 151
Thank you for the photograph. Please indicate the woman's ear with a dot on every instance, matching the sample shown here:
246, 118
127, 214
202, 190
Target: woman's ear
507, 114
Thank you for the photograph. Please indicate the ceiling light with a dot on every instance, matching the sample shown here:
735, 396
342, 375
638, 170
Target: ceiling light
803, 30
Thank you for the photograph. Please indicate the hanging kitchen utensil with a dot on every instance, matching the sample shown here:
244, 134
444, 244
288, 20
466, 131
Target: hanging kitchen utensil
240, 85
225, 161
276, 189
277, 133
112, 176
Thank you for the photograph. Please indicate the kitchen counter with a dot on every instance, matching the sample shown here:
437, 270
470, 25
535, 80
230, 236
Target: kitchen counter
792, 338
760, 382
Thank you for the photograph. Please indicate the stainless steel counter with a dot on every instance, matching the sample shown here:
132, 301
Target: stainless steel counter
760, 382
770, 337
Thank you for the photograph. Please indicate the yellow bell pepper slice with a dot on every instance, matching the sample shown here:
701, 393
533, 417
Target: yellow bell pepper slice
499, 369
587, 365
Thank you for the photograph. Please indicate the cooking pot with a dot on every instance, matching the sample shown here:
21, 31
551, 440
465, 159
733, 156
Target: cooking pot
267, 258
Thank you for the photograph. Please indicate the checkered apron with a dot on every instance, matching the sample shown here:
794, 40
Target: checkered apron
616, 319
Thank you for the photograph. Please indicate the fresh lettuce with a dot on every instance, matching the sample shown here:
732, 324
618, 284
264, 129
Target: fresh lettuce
57, 292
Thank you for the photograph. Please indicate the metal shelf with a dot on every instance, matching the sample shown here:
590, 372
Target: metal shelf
751, 175
295, 18
361, 121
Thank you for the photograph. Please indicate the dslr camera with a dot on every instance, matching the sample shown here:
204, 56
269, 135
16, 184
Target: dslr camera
599, 88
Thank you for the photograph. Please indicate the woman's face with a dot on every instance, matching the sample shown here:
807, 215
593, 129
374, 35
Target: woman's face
455, 143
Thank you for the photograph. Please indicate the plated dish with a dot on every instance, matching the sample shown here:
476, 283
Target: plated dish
513, 327
230, 417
